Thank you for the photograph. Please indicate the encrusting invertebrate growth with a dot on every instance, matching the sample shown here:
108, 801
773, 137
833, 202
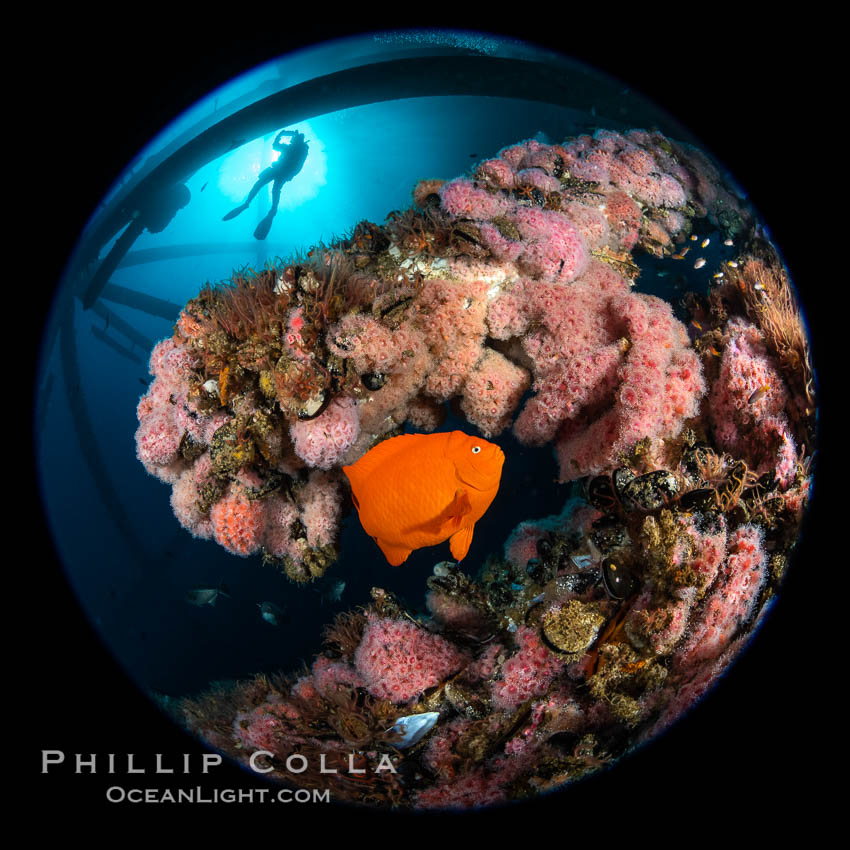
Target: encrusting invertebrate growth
511, 293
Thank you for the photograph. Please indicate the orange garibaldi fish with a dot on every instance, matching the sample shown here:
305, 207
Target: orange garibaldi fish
421, 489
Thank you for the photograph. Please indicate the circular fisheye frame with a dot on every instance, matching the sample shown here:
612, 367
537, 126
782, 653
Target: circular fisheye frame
277, 344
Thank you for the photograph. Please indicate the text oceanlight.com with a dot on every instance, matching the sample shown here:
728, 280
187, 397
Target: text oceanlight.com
117, 794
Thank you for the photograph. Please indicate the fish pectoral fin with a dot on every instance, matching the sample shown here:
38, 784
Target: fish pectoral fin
396, 555
460, 542
454, 514
460, 505
449, 519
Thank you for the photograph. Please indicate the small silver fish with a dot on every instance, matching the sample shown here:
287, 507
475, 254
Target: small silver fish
705, 242
273, 614
699, 263
201, 596
413, 728
333, 593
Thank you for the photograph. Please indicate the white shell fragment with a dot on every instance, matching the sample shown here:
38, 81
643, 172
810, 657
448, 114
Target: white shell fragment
282, 287
312, 405
211, 386
414, 727
444, 568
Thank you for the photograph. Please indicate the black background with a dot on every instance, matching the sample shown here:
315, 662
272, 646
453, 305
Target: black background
756, 748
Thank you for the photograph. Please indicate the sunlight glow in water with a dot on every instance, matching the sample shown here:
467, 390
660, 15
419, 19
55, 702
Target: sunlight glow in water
240, 169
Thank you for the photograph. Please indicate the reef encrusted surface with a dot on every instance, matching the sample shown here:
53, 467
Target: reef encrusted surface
511, 286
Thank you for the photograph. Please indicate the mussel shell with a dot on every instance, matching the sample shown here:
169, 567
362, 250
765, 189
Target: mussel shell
738, 515
762, 487
499, 595
374, 380
447, 583
621, 479
536, 570
578, 583
600, 493
315, 407
695, 457
704, 499
413, 727
609, 533
565, 742
651, 491
558, 167
620, 582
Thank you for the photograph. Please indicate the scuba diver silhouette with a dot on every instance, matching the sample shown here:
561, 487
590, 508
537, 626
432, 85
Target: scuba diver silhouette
152, 209
288, 164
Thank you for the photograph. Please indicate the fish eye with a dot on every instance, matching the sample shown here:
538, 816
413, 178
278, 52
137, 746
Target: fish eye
476, 449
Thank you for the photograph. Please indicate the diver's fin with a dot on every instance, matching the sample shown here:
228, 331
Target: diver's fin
235, 211
459, 543
396, 555
263, 228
